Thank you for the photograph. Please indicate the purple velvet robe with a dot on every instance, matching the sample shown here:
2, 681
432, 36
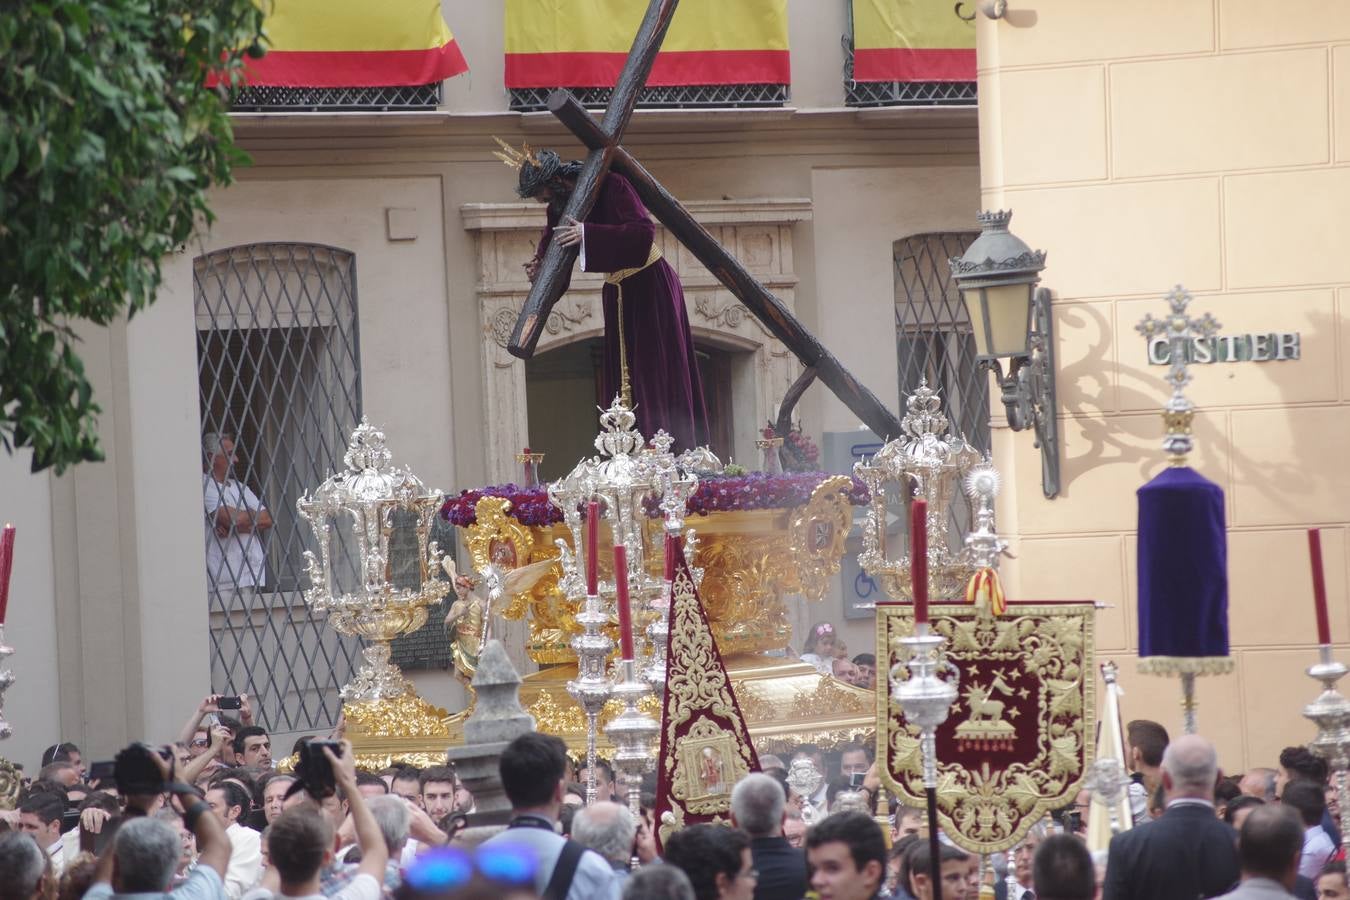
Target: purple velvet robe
662, 367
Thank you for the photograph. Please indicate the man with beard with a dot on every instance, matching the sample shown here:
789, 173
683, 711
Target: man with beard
649, 350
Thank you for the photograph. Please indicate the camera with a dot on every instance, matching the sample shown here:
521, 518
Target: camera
135, 769
314, 770
229, 703
102, 773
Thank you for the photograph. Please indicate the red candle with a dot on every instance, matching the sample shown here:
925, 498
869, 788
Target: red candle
672, 551
625, 610
6, 565
592, 547
918, 558
1319, 586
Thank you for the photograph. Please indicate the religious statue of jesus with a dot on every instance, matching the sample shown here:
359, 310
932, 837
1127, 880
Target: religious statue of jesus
649, 351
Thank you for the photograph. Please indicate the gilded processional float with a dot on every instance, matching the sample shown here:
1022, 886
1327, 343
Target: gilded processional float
751, 541
1016, 744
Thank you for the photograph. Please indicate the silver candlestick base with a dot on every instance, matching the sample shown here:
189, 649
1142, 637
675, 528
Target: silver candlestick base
632, 732
925, 697
1330, 712
592, 687
6, 680
658, 635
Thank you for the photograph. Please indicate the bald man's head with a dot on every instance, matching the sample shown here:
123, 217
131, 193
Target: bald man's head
1190, 767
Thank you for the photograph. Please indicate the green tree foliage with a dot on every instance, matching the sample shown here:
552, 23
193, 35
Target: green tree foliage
110, 138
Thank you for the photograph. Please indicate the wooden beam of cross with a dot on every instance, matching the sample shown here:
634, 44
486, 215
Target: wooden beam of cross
603, 141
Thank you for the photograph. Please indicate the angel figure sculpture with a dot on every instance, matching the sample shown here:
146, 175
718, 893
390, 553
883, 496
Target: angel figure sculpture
479, 599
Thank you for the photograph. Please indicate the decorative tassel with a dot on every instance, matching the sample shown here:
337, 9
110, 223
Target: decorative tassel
984, 589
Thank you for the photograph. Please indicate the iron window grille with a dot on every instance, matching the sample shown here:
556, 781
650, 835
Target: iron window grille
279, 370
337, 99
899, 93
935, 342
708, 96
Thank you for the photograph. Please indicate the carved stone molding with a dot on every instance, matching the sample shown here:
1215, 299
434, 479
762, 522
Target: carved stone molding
759, 232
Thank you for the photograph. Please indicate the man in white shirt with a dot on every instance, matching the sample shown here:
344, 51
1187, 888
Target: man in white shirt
40, 816
230, 802
1308, 801
235, 521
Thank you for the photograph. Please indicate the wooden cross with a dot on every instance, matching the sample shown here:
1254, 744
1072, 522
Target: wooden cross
603, 140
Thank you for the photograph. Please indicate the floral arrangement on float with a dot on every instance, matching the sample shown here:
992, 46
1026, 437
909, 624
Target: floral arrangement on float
715, 493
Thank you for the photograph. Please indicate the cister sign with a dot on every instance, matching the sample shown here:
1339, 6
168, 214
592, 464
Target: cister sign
1275, 346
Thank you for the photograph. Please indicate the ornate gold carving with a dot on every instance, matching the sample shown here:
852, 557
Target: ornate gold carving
497, 539
555, 713
552, 717
751, 560
988, 808
11, 780
406, 716
819, 531
832, 698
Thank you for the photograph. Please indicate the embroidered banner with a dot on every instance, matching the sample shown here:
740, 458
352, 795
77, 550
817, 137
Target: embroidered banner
705, 744
583, 43
1019, 738
355, 43
911, 40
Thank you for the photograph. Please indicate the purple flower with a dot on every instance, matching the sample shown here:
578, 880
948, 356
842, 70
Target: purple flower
755, 490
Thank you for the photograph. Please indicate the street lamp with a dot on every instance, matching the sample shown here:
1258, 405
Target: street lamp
1011, 320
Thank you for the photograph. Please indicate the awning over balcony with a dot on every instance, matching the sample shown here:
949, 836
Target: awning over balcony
911, 40
583, 43
356, 43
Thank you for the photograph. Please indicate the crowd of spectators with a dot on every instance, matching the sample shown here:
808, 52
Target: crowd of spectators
209, 817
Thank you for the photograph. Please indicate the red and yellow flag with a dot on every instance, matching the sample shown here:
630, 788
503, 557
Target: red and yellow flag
355, 43
911, 40
583, 43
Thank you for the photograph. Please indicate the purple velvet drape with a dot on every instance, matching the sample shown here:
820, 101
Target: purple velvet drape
1183, 566
662, 367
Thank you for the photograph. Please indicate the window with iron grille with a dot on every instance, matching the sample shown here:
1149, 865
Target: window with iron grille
934, 340
900, 93
279, 374
337, 99
734, 96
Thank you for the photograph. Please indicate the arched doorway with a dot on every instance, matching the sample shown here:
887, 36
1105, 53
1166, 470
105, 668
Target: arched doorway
562, 392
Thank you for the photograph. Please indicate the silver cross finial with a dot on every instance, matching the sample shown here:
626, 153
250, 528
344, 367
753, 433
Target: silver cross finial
1181, 331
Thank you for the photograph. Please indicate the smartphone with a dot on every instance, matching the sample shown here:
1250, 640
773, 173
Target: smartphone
102, 772
229, 703
855, 780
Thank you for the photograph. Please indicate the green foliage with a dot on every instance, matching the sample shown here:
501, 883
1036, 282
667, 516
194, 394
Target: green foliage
110, 138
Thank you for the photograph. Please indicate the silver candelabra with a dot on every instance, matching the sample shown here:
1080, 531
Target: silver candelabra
632, 482
6, 681
632, 732
1330, 712
593, 686
926, 698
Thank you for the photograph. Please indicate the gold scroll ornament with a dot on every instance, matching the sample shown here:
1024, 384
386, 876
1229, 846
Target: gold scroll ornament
1019, 738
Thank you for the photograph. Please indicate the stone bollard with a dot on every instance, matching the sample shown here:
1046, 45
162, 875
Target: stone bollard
498, 719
